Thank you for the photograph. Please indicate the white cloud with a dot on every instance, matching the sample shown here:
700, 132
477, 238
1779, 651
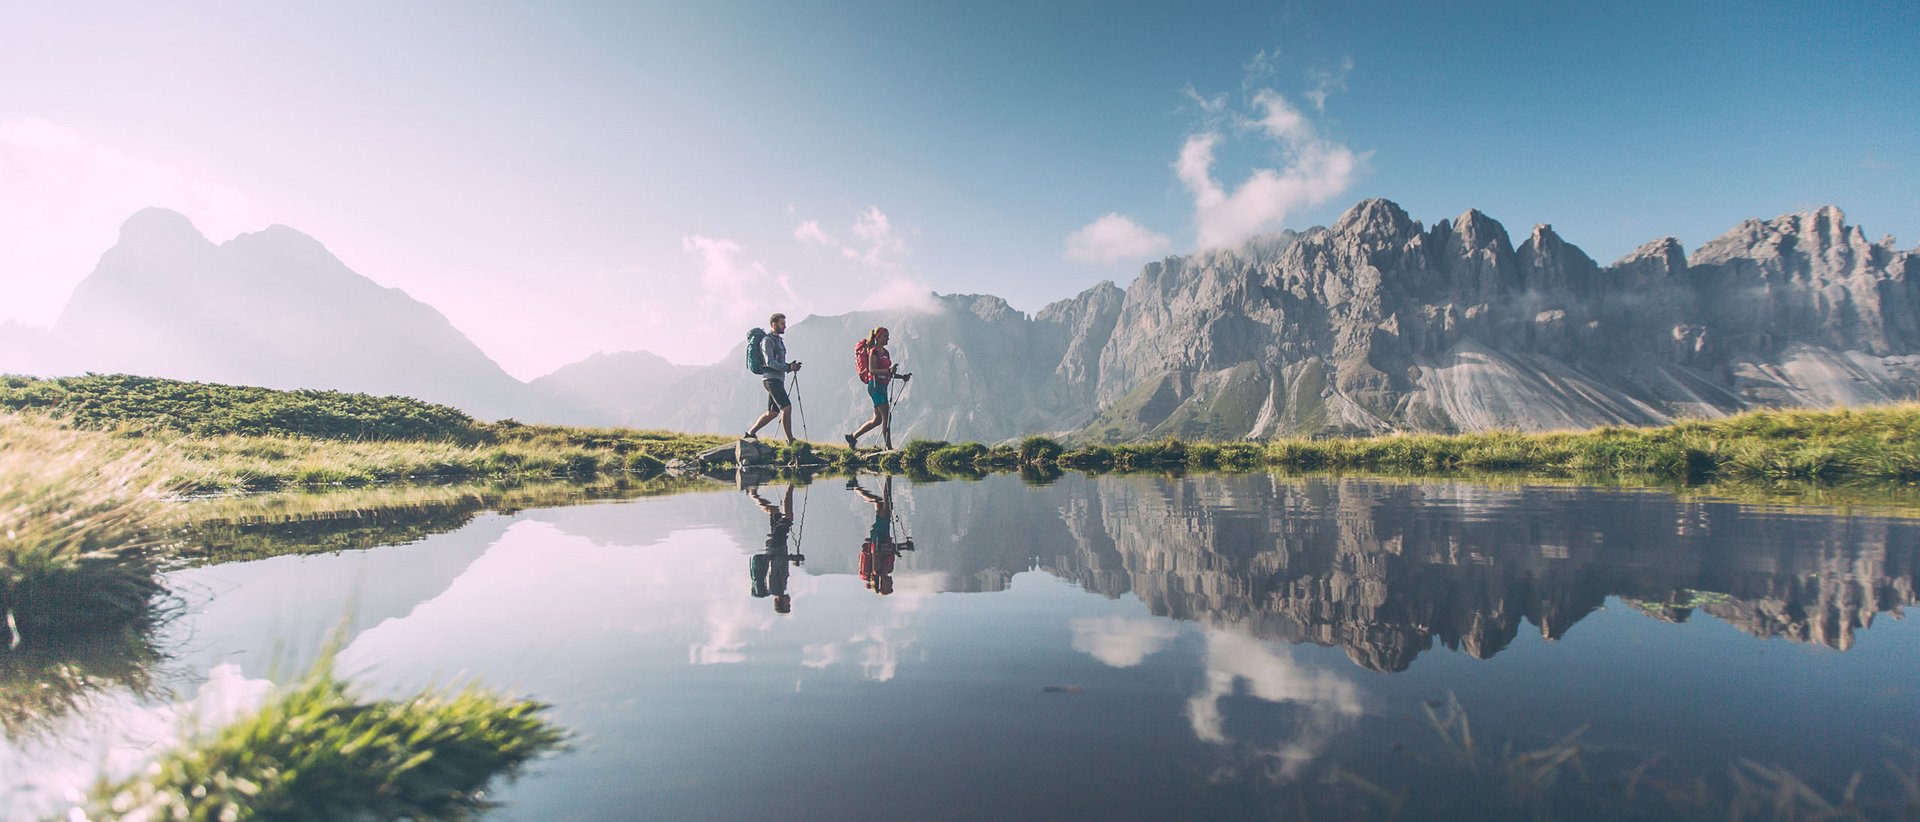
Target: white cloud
1112, 238
63, 197
881, 248
1121, 642
734, 288
899, 293
810, 233
1327, 81
1315, 170
1260, 68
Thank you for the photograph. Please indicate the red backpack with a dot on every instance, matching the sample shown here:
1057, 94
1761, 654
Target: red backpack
862, 362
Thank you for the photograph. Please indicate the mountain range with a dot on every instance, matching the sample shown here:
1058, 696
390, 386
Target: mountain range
1376, 323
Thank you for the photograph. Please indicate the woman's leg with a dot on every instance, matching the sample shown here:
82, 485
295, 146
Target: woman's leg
884, 413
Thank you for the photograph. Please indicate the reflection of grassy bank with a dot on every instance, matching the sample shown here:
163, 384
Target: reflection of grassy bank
78, 602
315, 751
257, 526
80, 597
40, 685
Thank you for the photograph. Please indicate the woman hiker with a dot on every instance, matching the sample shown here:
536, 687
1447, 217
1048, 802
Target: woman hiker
877, 370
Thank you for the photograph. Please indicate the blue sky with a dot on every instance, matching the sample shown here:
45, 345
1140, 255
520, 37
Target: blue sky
565, 178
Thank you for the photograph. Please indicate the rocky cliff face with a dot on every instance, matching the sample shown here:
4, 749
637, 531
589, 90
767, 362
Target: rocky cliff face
1379, 324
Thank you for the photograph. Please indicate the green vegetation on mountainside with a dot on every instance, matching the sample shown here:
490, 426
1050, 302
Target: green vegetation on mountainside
98, 401
208, 437
1880, 444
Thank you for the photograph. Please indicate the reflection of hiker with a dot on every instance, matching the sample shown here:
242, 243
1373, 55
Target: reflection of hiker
876, 369
767, 356
879, 551
769, 568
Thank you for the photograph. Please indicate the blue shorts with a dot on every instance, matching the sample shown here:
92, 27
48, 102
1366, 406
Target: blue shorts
877, 391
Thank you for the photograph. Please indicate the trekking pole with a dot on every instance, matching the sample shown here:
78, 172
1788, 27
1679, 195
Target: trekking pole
800, 404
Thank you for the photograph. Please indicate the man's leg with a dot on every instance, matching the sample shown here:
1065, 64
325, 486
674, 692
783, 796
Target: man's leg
786, 421
774, 404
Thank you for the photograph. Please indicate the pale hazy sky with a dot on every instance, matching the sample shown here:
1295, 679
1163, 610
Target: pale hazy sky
565, 178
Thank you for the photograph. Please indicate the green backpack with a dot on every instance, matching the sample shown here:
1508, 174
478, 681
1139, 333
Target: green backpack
756, 357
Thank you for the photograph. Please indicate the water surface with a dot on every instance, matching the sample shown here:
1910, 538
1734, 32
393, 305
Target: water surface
1215, 646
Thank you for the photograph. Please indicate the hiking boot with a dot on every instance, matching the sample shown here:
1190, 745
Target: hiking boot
750, 436
852, 443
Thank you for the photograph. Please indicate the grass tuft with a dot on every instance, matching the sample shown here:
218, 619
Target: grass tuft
316, 751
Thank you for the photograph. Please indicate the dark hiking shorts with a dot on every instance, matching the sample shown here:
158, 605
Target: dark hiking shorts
777, 394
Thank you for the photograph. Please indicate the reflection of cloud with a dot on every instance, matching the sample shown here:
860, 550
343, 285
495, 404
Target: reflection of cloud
820, 655
1322, 699
1121, 642
880, 643
728, 623
115, 737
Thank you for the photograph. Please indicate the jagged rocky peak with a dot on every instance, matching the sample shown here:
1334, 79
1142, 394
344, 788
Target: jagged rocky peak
1100, 294
985, 306
1822, 235
1376, 221
1475, 230
1657, 262
1550, 263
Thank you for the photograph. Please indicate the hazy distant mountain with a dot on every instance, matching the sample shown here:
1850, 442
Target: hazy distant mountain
631, 388
977, 366
274, 309
23, 348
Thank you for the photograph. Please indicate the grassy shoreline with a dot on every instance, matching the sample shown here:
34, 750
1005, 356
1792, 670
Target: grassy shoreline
210, 439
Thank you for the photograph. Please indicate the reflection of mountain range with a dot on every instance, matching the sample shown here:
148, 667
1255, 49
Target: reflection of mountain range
1382, 569
1385, 569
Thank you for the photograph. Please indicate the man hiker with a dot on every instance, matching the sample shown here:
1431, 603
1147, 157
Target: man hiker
875, 367
769, 569
773, 374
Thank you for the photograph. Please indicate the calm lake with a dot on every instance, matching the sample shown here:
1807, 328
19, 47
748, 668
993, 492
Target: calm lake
1139, 647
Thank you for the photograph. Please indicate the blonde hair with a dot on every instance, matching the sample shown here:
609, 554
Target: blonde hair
873, 337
